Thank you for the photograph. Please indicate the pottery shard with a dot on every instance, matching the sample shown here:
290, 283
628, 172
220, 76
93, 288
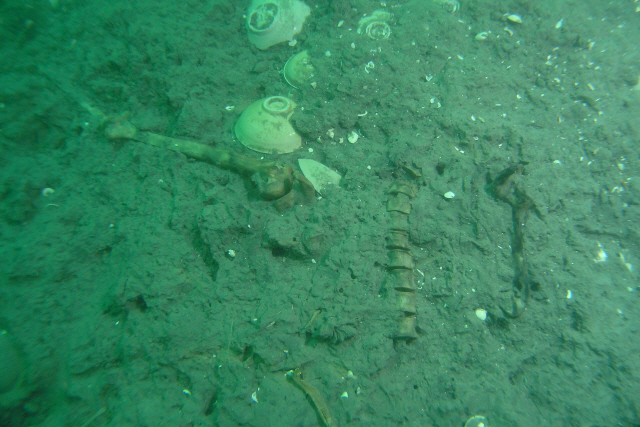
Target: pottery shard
318, 174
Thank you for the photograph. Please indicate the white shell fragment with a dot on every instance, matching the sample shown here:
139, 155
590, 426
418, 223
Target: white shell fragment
515, 18
601, 256
449, 195
353, 137
624, 261
319, 175
331, 134
476, 421
481, 313
46, 192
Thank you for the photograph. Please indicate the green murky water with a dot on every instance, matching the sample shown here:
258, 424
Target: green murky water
123, 306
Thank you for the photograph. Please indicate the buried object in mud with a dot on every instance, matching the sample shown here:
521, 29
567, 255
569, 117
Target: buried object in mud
401, 262
264, 126
506, 188
278, 183
298, 69
317, 401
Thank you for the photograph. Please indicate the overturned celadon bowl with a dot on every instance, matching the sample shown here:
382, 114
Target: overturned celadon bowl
264, 126
270, 22
298, 69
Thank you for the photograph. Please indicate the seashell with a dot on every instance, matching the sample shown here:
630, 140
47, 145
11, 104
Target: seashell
353, 137
515, 18
476, 421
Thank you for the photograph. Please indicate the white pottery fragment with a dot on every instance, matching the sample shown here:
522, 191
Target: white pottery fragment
319, 175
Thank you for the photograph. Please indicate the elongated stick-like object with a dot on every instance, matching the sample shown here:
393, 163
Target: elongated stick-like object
505, 188
314, 395
280, 183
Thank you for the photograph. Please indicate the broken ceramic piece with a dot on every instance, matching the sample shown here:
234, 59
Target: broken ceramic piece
270, 22
298, 69
319, 175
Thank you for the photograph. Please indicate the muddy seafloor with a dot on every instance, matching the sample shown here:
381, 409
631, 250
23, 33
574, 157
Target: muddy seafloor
119, 290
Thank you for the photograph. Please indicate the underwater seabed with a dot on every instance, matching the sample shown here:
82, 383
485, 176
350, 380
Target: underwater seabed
428, 215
